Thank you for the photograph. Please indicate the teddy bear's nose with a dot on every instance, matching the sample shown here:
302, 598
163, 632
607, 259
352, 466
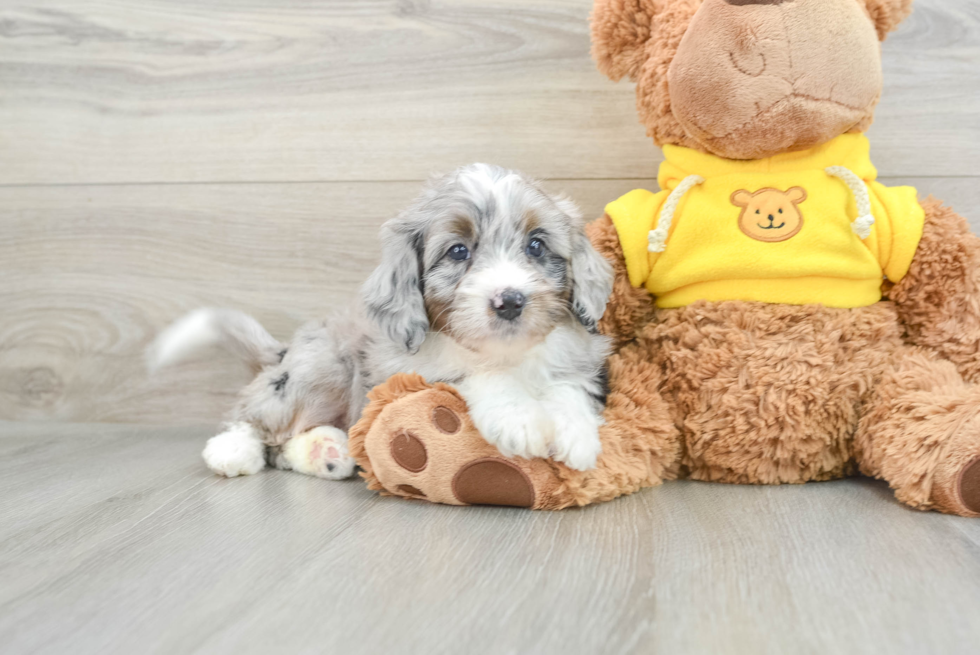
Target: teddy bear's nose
771, 218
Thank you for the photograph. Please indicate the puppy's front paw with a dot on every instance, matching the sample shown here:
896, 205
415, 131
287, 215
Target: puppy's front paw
321, 452
236, 451
523, 431
577, 441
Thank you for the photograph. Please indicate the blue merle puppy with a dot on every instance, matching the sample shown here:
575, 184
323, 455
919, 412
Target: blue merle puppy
485, 282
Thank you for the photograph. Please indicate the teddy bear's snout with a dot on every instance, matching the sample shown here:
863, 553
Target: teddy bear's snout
743, 85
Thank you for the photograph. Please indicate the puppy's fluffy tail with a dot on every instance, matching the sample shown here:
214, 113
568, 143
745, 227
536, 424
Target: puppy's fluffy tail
236, 332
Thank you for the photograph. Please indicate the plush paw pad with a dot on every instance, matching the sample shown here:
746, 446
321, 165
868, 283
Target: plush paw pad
968, 486
493, 481
408, 451
445, 420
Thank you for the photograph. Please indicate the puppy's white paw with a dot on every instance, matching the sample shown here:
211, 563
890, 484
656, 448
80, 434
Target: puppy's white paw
523, 431
236, 451
577, 440
321, 452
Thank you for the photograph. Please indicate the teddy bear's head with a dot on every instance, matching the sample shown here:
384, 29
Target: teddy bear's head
747, 79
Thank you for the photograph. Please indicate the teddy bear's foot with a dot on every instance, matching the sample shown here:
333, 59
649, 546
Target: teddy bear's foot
956, 489
968, 486
956, 471
425, 446
921, 433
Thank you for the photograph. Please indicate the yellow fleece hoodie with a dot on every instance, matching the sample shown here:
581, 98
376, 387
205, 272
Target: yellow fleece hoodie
776, 230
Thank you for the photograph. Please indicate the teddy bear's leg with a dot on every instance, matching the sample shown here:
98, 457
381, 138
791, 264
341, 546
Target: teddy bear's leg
417, 440
938, 300
920, 431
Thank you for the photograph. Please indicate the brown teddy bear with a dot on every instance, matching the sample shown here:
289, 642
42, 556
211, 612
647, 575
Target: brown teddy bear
779, 315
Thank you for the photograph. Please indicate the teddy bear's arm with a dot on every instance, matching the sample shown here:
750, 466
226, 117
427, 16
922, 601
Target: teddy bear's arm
938, 300
629, 308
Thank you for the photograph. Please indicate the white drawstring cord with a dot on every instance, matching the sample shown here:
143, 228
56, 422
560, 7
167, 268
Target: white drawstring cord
862, 224
658, 237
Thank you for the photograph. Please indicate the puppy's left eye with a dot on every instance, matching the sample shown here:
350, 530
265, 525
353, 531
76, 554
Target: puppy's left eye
535, 248
459, 252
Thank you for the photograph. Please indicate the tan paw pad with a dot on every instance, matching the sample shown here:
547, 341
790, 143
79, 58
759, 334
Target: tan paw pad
493, 481
409, 452
445, 420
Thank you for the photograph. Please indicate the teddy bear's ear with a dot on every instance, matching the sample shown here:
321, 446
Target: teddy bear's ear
741, 198
796, 194
887, 14
621, 30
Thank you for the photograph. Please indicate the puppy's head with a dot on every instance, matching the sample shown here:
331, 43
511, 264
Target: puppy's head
486, 257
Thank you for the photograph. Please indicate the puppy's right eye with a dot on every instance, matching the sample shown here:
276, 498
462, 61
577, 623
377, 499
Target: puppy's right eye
459, 252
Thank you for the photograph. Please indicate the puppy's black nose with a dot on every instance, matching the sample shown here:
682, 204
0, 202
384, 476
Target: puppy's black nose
508, 304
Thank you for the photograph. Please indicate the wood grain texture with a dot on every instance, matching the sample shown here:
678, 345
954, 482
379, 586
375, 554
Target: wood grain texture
115, 539
110, 91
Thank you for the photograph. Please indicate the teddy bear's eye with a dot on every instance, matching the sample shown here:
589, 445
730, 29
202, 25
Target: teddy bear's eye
757, 211
780, 211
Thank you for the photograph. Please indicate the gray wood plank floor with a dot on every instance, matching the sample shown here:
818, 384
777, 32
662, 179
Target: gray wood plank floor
115, 539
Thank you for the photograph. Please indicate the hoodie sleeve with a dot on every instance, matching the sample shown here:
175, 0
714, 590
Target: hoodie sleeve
634, 215
899, 219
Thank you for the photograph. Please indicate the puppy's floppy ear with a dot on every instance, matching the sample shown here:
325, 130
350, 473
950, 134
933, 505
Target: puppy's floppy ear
592, 282
887, 14
392, 295
592, 275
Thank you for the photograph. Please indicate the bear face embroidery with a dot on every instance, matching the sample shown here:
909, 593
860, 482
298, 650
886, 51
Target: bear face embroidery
770, 215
